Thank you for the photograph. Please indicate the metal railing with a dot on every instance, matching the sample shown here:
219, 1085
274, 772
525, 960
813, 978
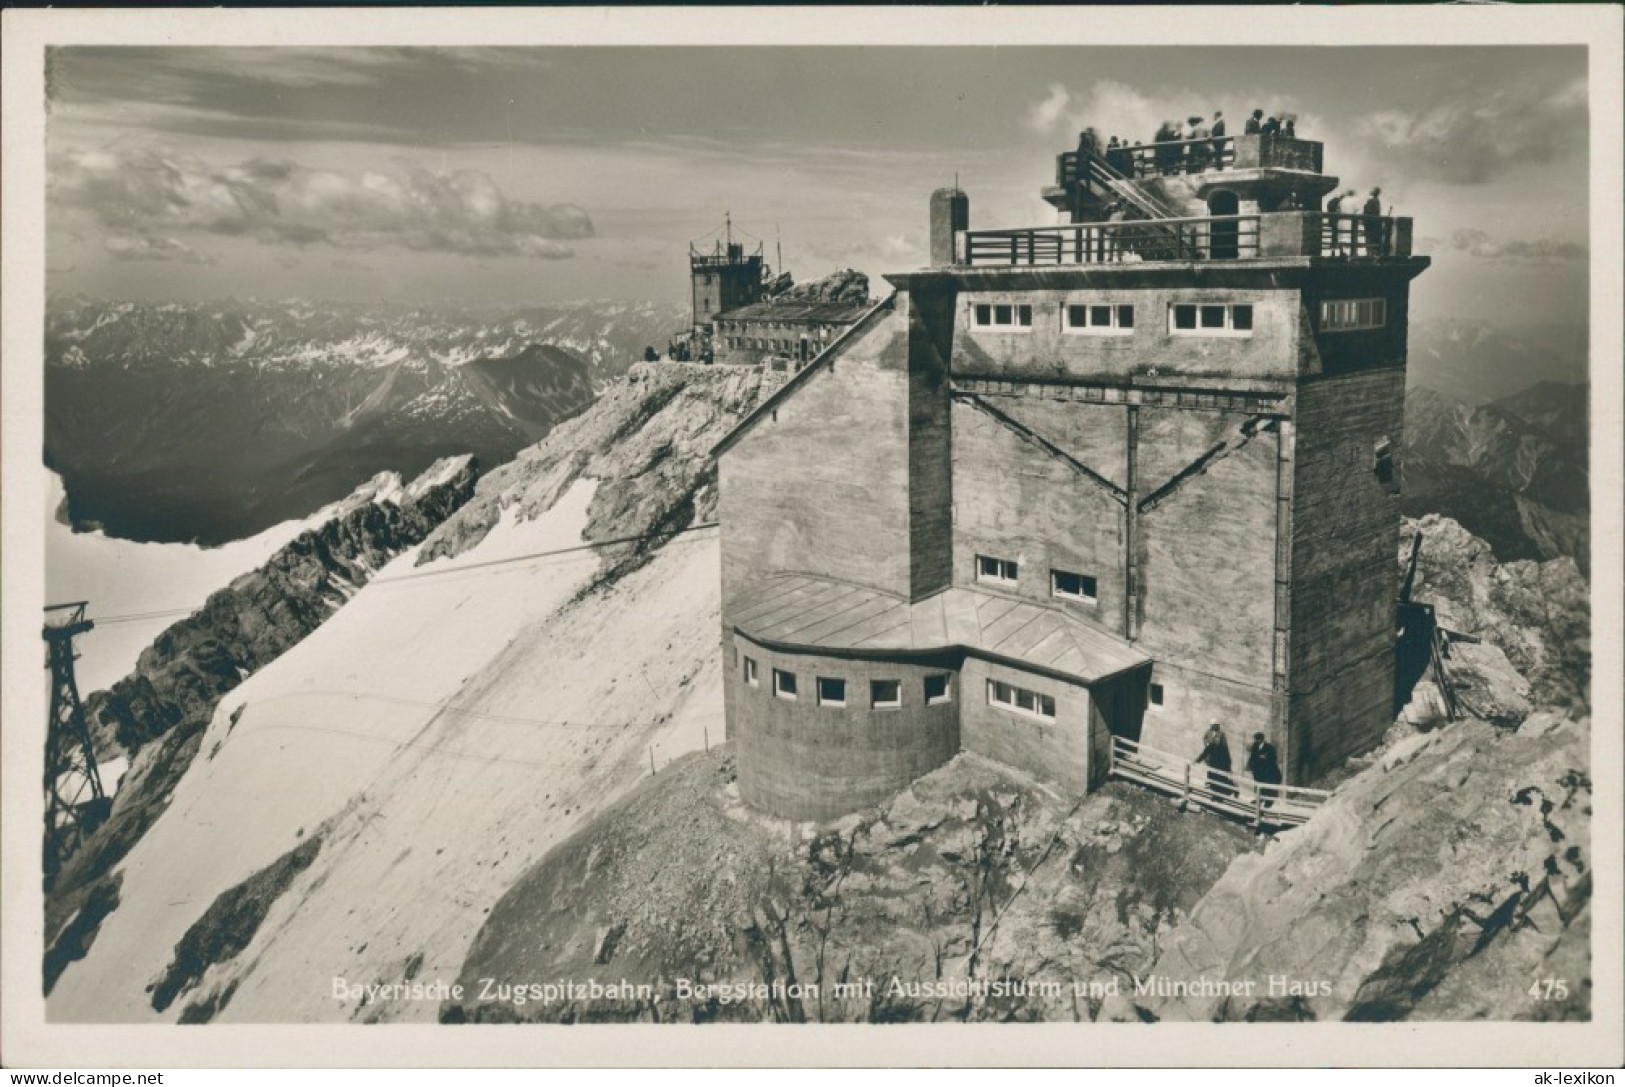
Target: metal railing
1219, 237
1172, 157
1101, 175
1357, 235
1154, 159
1258, 803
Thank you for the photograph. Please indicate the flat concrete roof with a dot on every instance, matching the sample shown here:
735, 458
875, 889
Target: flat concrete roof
816, 613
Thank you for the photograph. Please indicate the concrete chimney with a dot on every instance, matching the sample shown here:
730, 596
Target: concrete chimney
950, 212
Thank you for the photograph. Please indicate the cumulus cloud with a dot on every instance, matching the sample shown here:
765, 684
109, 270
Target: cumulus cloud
147, 247
144, 192
1518, 251
1469, 142
1043, 117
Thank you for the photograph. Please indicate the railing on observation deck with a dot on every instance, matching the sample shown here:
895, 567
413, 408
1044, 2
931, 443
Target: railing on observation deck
1260, 804
1359, 235
1250, 151
1217, 237
1232, 236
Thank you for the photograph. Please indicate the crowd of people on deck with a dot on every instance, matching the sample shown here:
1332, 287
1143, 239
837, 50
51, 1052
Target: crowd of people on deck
1187, 148
1199, 145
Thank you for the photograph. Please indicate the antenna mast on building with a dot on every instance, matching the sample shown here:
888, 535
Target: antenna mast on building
75, 804
778, 250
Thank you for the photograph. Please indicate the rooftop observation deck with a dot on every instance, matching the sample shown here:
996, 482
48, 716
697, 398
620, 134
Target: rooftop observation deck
1252, 151
1265, 235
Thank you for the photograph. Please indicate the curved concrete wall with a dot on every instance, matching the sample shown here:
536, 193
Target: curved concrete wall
800, 760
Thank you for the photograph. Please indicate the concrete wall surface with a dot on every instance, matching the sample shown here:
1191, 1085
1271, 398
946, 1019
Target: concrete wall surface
801, 760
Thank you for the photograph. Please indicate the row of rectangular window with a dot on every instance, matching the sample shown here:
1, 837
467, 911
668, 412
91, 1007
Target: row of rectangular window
1213, 319
1184, 318
1020, 700
887, 694
1063, 583
884, 694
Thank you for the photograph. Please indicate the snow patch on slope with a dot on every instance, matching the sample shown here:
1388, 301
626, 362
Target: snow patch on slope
456, 725
122, 577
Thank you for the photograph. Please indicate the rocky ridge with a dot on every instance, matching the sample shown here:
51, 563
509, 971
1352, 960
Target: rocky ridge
158, 714
648, 440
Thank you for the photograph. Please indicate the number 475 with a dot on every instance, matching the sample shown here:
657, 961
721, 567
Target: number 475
1549, 989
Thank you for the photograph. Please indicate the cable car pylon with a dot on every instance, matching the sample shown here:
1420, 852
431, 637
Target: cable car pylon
75, 804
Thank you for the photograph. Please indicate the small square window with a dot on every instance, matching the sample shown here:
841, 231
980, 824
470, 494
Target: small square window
1125, 316
1184, 316
937, 690
784, 684
1024, 316
1100, 316
1156, 696
1076, 586
1003, 315
1077, 316
1212, 316
984, 314
885, 694
1241, 318
992, 569
831, 692
752, 674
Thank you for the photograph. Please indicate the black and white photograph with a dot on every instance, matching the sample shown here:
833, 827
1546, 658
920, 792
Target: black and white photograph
686, 519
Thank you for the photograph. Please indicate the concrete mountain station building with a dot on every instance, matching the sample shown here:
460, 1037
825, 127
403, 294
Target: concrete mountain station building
1080, 486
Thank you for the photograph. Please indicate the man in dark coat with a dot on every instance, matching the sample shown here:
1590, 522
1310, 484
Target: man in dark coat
1271, 127
1167, 155
1216, 754
1255, 122
1373, 224
1265, 767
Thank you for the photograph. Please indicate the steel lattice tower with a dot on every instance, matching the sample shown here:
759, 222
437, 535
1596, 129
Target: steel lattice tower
74, 802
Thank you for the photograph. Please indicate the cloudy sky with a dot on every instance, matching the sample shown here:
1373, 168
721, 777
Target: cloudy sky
514, 175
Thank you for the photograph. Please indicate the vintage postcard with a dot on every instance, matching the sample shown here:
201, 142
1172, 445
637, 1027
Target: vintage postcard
812, 536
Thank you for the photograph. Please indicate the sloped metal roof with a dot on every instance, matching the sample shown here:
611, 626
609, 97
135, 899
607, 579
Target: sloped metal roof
807, 611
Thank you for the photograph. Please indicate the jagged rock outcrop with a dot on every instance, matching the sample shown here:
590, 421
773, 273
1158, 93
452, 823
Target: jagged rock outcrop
1538, 614
158, 713
648, 440
975, 875
262, 614
845, 285
1461, 853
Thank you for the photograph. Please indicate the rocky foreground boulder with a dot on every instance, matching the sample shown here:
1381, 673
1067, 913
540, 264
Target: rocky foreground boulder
1439, 883
976, 894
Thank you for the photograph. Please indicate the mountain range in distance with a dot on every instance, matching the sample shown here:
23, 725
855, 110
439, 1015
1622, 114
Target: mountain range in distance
210, 422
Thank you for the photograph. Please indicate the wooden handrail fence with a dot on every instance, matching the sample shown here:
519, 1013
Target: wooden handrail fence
1259, 805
